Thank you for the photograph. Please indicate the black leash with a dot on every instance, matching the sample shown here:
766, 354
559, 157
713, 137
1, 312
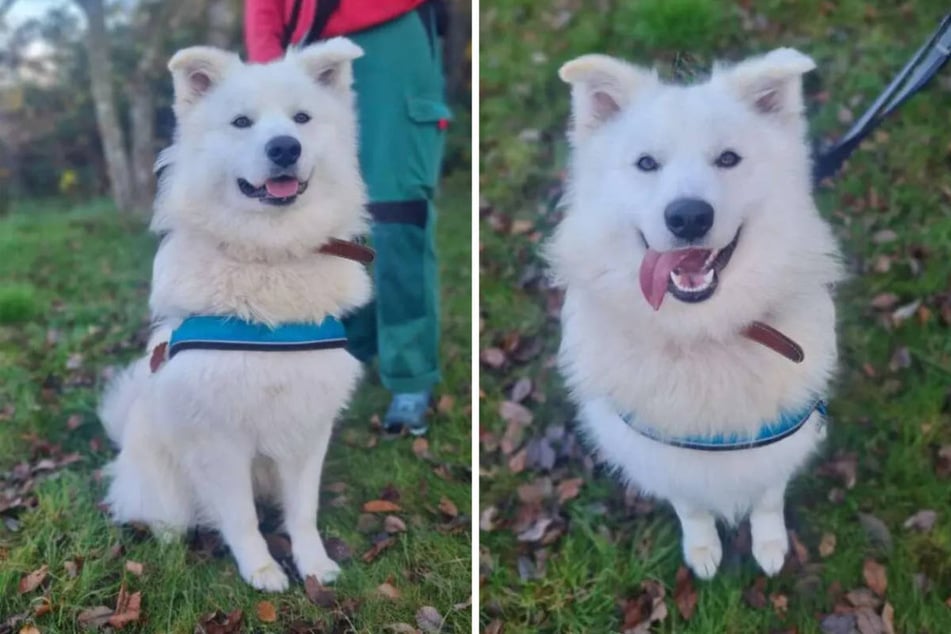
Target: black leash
924, 65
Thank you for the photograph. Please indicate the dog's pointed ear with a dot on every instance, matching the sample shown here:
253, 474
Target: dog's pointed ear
771, 84
601, 86
330, 63
197, 70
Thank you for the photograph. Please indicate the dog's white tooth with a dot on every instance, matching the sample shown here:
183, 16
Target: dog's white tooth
708, 277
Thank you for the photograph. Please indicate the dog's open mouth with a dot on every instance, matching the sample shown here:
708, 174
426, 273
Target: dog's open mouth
275, 191
690, 275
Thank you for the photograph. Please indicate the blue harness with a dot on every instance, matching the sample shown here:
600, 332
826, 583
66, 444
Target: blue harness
212, 332
785, 426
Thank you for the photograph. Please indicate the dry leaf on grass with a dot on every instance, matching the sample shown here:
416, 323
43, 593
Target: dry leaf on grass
95, 617
447, 507
921, 521
127, 608
827, 545
875, 577
393, 524
429, 619
388, 590
378, 548
134, 567
220, 623
381, 506
31, 581
685, 595
266, 611
421, 449
569, 489
318, 593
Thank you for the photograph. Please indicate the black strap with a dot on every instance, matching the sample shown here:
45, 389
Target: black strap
325, 9
407, 212
924, 65
291, 25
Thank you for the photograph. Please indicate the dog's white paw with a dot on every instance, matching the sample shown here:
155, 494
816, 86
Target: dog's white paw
325, 570
704, 558
268, 577
770, 554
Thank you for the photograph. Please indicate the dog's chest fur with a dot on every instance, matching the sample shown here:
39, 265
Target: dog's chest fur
194, 276
703, 387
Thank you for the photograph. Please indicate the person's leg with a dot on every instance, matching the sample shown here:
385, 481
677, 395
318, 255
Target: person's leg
402, 125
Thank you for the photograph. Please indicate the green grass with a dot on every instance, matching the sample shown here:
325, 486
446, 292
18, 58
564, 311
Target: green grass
93, 269
894, 419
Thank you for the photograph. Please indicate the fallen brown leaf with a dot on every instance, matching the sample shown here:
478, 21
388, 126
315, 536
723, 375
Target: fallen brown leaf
378, 548
220, 623
492, 357
388, 590
884, 301
421, 448
875, 577
921, 521
95, 617
127, 608
381, 506
780, 603
569, 489
495, 627
29, 629
445, 404
685, 595
393, 524
755, 595
827, 545
512, 412
319, 594
447, 507
863, 598
134, 567
266, 611
888, 618
31, 581
429, 619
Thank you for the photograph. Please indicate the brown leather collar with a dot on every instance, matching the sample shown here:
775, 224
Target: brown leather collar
349, 250
774, 340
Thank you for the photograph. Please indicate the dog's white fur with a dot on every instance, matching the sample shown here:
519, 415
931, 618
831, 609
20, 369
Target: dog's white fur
685, 368
211, 431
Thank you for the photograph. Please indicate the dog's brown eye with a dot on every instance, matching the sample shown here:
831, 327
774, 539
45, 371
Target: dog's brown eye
647, 164
241, 122
728, 159
301, 117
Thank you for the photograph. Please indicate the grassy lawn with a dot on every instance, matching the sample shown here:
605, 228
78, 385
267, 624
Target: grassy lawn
73, 292
563, 547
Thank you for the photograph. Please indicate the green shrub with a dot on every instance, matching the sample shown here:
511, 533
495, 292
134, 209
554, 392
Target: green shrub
18, 302
674, 25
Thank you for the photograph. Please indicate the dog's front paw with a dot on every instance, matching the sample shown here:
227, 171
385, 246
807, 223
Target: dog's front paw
268, 577
770, 554
704, 558
325, 570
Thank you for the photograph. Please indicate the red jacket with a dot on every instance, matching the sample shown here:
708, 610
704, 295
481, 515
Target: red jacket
264, 21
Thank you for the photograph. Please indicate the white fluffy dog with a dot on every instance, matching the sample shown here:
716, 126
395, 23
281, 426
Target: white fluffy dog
689, 225
262, 173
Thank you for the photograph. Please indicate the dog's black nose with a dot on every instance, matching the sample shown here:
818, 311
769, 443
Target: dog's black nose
689, 218
283, 150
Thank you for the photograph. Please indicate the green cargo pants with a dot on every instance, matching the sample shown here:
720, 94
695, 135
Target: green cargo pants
403, 116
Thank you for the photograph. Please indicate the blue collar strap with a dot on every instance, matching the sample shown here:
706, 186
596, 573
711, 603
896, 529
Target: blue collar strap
785, 426
211, 332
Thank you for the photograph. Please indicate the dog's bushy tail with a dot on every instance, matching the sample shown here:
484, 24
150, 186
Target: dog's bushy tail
120, 396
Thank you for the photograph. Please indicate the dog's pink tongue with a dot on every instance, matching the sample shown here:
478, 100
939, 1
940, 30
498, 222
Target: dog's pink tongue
656, 267
281, 188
